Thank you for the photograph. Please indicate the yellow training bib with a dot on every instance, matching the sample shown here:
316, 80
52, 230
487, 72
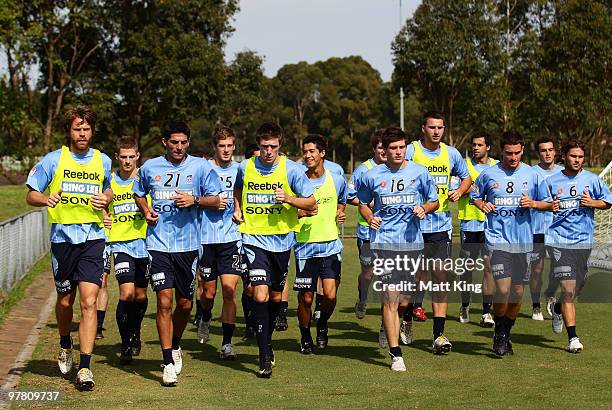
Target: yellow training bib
321, 227
440, 170
128, 221
467, 211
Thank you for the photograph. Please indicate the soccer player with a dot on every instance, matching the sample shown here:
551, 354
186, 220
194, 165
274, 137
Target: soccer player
127, 246
541, 221
78, 179
442, 162
577, 193
472, 232
403, 192
363, 231
506, 193
179, 185
318, 251
269, 190
221, 255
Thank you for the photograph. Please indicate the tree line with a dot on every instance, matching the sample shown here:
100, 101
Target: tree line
542, 67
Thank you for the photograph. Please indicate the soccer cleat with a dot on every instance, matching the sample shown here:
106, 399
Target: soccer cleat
441, 345
536, 314
136, 345
574, 345
486, 320
464, 314
204, 331
316, 315
397, 363
281, 324
84, 379
306, 347
509, 350
126, 355
322, 339
177, 356
249, 333
196, 318
227, 352
99, 334
170, 376
500, 345
265, 367
382, 338
557, 322
550, 305
406, 332
418, 314
360, 309
64, 360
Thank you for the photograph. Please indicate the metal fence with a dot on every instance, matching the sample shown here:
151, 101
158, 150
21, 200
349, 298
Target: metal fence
23, 241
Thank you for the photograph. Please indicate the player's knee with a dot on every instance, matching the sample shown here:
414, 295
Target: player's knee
305, 298
568, 295
64, 302
88, 303
229, 293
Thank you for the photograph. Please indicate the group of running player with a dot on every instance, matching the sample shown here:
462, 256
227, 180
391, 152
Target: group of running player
179, 214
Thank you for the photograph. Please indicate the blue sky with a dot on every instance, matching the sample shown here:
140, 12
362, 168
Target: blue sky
289, 31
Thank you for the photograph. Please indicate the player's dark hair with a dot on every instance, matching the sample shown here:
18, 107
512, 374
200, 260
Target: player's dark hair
545, 140
391, 135
436, 115
482, 134
176, 127
319, 141
511, 137
223, 133
84, 113
269, 130
376, 137
573, 143
250, 149
126, 142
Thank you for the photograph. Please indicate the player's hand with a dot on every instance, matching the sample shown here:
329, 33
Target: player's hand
309, 213
108, 221
280, 195
375, 222
183, 199
54, 199
99, 201
587, 200
222, 202
488, 207
453, 195
340, 216
151, 217
526, 202
555, 203
237, 216
419, 212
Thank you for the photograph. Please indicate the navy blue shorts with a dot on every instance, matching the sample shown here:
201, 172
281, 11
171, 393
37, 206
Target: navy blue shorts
173, 271
107, 260
570, 264
221, 259
366, 258
267, 267
131, 270
511, 265
539, 249
307, 271
74, 263
437, 245
473, 245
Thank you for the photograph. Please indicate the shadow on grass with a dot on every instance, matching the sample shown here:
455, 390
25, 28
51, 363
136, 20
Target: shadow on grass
43, 367
146, 368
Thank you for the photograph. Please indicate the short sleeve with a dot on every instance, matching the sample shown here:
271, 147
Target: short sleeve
365, 192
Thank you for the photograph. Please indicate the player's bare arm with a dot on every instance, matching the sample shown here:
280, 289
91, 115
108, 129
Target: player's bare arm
99, 201
463, 189
35, 198
150, 215
586, 200
368, 215
485, 207
527, 202
341, 214
306, 204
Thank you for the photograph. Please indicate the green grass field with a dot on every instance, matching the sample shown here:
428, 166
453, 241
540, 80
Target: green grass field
13, 201
353, 372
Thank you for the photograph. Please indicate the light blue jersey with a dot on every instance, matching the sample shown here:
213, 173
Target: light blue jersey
542, 220
321, 249
473, 225
395, 194
363, 231
136, 248
217, 226
177, 229
299, 183
509, 228
572, 226
441, 221
333, 167
41, 176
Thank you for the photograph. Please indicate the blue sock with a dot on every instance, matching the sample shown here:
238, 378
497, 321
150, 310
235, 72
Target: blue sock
65, 342
438, 326
261, 320
84, 361
167, 356
228, 332
571, 332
